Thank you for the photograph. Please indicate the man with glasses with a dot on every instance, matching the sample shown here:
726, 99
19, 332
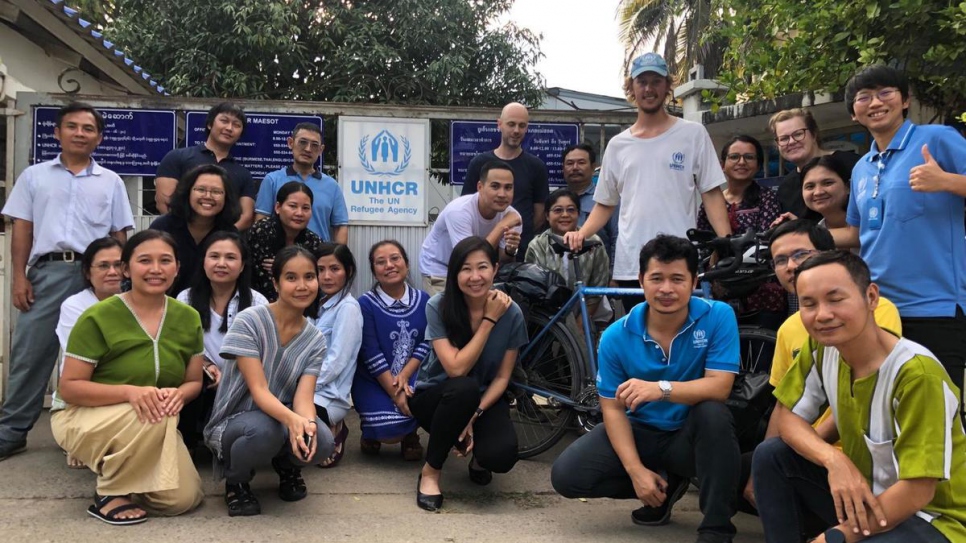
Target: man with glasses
578, 169
791, 244
224, 126
799, 141
330, 217
58, 208
906, 208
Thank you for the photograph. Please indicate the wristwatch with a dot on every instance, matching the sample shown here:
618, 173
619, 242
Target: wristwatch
666, 389
834, 535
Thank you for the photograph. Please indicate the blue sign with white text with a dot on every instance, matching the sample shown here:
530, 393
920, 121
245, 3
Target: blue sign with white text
545, 140
135, 140
263, 147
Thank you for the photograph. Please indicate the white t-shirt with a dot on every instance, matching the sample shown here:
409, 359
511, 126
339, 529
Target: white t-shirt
459, 220
70, 311
214, 337
658, 183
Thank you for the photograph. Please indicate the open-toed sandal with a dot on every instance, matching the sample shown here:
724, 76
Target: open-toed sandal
339, 449
112, 516
241, 500
369, 446
291, 485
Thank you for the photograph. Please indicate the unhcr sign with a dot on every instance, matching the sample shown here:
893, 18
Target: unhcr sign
384, 169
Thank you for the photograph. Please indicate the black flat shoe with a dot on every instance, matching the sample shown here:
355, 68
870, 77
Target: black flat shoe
480, 476
427, 502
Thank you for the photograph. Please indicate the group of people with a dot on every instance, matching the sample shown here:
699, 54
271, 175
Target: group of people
264, 351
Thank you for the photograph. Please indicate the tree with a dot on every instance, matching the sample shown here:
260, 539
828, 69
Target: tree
438, 52
681, 27
778, 47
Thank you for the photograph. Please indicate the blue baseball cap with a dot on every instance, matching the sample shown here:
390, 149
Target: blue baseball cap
649, 62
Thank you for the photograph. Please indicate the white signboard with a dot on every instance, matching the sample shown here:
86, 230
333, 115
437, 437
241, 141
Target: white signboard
384, 169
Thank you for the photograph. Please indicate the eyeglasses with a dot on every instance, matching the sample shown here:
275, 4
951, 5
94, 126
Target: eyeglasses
797, 257
204, 191
735, 157
105, 266
797, 135
313, 145
866, 97
558, 210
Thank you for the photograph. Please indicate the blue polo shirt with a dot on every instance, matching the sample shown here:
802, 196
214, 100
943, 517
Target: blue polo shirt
708, 341
181, 161
916, 251
328, 203
608, 234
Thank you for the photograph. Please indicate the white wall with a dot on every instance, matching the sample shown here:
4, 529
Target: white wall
30, 68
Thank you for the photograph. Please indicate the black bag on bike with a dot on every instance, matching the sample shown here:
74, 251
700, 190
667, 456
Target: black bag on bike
533, 285
751, 402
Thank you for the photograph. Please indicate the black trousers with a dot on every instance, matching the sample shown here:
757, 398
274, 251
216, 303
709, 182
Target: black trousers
946, 338
630, 301
705, 447
444, 411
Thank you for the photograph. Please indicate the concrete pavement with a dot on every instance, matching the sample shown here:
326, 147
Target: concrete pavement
365, 499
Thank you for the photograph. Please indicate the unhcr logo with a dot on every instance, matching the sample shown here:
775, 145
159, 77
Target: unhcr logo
381, 155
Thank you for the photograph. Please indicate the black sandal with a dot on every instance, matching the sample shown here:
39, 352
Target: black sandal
111, 517
241, 500
291, 485
480, 476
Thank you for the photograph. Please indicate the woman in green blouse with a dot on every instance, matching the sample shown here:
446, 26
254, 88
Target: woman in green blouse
132, 362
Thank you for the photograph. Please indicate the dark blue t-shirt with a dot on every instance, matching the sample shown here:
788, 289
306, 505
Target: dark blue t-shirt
181, 161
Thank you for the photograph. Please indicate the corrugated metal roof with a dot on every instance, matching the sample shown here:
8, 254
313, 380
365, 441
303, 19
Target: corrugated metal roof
85, 29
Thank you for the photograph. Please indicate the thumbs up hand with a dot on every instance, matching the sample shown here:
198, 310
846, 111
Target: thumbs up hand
928, 177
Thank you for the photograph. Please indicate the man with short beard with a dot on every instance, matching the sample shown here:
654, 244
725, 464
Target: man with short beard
659, 170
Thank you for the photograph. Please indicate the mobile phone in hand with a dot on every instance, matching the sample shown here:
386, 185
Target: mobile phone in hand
210, 375
307, 439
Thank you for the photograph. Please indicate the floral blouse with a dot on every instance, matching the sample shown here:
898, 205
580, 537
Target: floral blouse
266, 238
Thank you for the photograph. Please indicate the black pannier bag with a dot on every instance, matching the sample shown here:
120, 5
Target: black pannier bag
533, 285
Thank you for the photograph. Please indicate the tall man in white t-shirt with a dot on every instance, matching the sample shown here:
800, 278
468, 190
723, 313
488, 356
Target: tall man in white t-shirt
486, 213
658, 169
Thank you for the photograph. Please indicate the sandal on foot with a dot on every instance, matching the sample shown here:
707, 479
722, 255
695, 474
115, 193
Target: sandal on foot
241, 500
339, 450
412, 449
480, 476
369, 446
111, 517
291, 485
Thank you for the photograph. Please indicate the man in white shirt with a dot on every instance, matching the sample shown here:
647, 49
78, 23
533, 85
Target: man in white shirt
659, 170
486, 213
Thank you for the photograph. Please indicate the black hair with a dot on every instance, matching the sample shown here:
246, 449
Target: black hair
582, 147
561, 193
282, 258
455, 313
874, 77
75, 107
291, 188
145, 236
199, 297
752, 195
668, 249
833, 164
311, 127
229, 108
820, 237
344, 256
181, 199
377, 245
494, 165
96, 246
853, 263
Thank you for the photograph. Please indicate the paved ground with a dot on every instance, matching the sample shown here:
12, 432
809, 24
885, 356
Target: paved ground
364, 499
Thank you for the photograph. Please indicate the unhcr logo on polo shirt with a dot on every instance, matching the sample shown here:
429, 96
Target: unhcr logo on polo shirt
384, 149
700, 339
677, 161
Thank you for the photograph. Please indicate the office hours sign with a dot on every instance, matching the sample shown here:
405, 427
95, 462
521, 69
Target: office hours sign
384, 169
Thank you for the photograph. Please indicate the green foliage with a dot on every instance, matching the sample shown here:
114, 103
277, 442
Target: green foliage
437, 52
777, 47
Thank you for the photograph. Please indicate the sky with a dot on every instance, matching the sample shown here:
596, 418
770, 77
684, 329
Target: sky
580, 45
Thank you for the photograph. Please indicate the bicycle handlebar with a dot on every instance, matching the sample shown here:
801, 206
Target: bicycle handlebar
735, 246
560, 247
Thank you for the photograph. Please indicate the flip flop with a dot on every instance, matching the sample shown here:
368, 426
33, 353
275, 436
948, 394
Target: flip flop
339, 450
111, 517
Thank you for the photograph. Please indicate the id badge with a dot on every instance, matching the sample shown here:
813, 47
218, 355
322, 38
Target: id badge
873, 214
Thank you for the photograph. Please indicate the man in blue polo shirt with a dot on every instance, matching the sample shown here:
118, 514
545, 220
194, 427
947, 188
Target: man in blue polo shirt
330, 217
224, 126
906, 209
665, 371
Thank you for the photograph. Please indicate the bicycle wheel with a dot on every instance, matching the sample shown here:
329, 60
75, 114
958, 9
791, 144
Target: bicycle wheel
757, 348
555, 365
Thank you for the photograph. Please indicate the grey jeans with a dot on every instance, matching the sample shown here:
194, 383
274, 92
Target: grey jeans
253, 439
33, 352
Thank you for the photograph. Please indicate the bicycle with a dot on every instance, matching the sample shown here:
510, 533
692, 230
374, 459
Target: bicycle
556, 380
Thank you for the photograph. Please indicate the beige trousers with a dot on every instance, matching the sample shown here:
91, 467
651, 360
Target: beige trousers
148, 461
434, 285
